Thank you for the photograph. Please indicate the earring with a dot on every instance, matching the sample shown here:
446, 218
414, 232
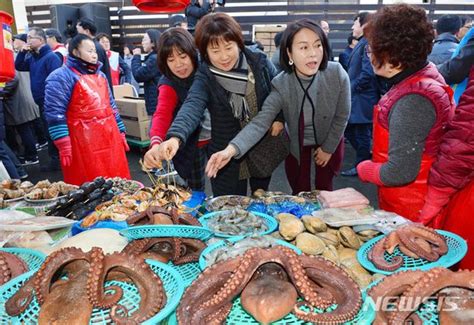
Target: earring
290, 62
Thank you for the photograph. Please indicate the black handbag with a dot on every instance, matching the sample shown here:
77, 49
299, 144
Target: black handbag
267, 154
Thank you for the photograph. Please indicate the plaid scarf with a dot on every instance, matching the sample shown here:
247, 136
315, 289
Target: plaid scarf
235, 83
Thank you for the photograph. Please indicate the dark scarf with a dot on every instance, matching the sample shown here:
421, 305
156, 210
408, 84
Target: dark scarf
399, 77
235, 83
87, 67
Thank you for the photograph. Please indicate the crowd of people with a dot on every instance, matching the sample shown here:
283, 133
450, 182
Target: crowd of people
212, 97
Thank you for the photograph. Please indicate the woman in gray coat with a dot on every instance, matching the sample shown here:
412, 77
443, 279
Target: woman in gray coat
20, 112
314, 95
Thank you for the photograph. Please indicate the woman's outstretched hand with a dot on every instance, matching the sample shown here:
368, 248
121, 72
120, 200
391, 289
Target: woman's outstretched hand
168, 149
219, 160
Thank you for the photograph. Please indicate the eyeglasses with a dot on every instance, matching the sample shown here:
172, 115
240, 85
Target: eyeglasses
32, 37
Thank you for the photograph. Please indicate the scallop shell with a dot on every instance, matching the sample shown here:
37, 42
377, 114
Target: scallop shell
348, 237
310, 244
314, 224
329, 238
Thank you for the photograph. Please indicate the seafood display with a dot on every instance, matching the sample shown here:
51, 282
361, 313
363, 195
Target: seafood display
14, 189
227, 202
120, 208
343, 198
155, 215
122, 185
175, 249
170, 196
419, 286
80, 202
70, 284
310, 196
314, 237
234, 249
415, 241
11, 266
269, 282
236, 222
45, 190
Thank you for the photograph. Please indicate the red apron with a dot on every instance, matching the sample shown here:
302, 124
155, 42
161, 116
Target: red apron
97, 148
406, 200
457, 218
114, 67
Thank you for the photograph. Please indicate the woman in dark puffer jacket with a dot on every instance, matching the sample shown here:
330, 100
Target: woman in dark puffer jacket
148, 72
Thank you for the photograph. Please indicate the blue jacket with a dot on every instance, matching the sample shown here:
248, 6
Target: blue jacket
194, 12
59, 88
364, 86
40, 65
2, 117
149, 74
344, 57
443, 48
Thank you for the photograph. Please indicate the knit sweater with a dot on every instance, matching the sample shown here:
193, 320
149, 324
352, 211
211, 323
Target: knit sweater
408, 131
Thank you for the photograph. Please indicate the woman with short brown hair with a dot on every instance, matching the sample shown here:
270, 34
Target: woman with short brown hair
410, 118
232, 82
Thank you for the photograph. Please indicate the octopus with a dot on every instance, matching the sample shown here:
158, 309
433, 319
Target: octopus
156, 215
178, 250
11, 266
407, 291
70, 284
412, 240
269, 282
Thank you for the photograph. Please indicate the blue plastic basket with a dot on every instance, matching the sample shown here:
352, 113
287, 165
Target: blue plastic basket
222, 243
32, 258
172, 282
457, 249
270, 222
188, 272
428, 311
238, 316
148, 231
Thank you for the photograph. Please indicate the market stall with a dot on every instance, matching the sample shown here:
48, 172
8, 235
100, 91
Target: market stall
115, 251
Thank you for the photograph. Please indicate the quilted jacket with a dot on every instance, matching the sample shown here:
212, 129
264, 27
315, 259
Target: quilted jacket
454, 167
59, 87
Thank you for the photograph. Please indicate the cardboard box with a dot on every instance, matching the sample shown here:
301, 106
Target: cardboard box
132, 109
137, 130
122, 91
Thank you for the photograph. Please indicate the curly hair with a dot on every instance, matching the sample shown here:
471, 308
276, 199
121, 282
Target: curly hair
400, 35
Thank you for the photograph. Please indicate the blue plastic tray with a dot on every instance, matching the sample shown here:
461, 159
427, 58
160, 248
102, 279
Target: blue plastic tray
117, 225
195, 202
213, 247
148, 231
239, 316
32, 258
172, 281
188, 272
270, 222
457, 249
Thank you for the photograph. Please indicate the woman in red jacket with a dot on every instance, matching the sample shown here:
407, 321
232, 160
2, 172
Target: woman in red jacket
410, 118
451, 180
178, 61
